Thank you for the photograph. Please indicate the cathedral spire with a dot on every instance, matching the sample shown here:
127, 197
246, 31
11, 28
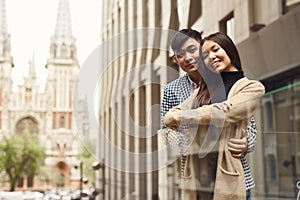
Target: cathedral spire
4, 36
3, 24
30, 80
31, 71
63, 27
63, 48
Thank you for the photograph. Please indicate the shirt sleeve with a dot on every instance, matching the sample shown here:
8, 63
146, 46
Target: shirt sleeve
251, 135
169, 101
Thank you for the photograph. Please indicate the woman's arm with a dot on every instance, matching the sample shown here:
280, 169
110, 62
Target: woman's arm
243, 98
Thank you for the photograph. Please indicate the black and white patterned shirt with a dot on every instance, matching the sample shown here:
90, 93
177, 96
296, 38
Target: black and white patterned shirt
179, 90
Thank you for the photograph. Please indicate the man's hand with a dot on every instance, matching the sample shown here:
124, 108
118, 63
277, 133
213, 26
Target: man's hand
173, 119
238, 147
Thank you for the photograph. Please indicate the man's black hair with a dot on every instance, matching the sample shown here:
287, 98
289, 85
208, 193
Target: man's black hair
182, 36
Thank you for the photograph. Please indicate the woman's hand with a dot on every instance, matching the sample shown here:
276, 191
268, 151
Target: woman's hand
225, 105
173, 118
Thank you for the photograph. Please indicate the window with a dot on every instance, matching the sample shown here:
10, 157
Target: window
195, 11
271, 163
27, 124
226, 25
20, 182
30, 181
269, 116
62, 122
288, 5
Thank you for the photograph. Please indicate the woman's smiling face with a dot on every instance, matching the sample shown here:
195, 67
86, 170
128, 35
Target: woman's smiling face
215, 57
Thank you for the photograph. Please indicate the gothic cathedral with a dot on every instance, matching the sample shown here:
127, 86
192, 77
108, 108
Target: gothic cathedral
47, 114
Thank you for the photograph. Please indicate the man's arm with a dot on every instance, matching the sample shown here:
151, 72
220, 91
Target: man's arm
251, 135
169, 100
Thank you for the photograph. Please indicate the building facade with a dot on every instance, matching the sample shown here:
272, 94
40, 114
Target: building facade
136, 64
47, 114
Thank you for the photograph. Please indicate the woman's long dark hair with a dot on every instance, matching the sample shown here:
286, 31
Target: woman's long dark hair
203, 96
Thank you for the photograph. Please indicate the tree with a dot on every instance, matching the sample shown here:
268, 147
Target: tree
20, 155
87, 159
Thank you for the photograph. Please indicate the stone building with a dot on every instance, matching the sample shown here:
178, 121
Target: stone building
137, 64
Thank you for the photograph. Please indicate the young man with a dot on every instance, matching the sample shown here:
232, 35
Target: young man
186, 44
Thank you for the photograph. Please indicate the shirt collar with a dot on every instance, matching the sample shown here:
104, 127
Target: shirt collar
193, 84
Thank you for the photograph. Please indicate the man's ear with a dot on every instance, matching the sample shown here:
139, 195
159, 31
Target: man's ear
175, 60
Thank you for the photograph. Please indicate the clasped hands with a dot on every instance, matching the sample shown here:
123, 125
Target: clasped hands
174, 117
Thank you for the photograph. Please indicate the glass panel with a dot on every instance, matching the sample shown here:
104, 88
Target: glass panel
281, 141
296, 127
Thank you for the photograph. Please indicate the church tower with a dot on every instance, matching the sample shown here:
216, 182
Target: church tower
62, 69
6, 65
63, 64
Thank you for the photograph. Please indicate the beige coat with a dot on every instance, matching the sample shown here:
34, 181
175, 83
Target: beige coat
230, 183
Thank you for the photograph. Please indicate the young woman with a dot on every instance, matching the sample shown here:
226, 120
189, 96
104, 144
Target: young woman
238, 98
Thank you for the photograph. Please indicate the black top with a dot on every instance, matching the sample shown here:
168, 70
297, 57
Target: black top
221, 85
229, 79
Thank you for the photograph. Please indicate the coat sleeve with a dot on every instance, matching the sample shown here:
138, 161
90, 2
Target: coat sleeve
244, 99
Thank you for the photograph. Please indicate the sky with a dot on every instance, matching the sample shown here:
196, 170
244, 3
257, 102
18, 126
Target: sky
31, 23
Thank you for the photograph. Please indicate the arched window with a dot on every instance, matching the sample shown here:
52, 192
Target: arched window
27, 124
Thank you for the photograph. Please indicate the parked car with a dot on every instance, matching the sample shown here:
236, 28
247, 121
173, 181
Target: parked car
11, 195
33, 195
